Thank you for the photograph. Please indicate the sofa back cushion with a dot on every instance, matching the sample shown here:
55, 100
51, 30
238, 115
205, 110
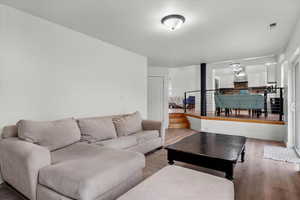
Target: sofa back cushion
50, 134
98, 128
9, 131
128, 124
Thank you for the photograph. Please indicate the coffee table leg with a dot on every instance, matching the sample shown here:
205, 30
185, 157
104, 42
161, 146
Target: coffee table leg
171, 162
170, 157
229, 172
243, 155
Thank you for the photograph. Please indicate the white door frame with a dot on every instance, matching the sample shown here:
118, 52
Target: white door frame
296, 107
292, 98
165, 99
294, 104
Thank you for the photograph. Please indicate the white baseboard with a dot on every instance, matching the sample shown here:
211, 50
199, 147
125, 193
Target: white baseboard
250, 130
298, 153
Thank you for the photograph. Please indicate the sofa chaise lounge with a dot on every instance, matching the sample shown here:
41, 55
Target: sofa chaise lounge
88, 159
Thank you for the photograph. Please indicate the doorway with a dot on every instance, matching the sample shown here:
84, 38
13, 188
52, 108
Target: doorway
156, 99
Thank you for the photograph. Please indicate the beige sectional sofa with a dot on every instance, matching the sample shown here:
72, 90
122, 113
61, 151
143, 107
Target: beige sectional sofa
91, 158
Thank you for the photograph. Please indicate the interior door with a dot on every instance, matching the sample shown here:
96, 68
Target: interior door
156, 98
297, 107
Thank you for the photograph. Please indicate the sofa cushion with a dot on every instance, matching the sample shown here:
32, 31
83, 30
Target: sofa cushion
50, 134
95, 171
120, 142
9, 131
144, 136
128, 124
73, 152
100, 128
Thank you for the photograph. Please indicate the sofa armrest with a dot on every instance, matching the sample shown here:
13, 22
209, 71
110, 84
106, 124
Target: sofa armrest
154, 125
20, 163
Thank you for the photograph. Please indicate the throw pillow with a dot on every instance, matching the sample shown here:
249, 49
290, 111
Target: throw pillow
50, 134
101, 128
128, 124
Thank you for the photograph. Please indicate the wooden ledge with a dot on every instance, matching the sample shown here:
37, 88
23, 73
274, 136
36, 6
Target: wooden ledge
259, 121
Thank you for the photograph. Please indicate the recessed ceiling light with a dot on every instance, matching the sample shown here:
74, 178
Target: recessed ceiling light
173, 22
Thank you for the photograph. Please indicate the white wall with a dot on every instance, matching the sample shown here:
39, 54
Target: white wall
251, 130
48, 72
294, 42
184, 79
162, 72
257, 75
286, 63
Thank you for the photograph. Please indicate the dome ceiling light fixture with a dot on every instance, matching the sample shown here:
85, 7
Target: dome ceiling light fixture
173, 22
236, 67
239, 72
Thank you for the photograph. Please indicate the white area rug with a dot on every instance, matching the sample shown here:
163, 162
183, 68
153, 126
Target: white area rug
281, 154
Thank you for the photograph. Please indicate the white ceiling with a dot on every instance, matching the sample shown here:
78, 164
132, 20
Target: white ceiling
214, 30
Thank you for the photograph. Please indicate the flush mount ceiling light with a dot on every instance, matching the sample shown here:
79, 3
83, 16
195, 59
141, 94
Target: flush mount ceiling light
173, 22
236, 67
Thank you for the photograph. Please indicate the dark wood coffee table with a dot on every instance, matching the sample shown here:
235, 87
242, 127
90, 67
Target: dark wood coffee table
210, 150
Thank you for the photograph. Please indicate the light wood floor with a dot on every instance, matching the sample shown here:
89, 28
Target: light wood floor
255, 179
